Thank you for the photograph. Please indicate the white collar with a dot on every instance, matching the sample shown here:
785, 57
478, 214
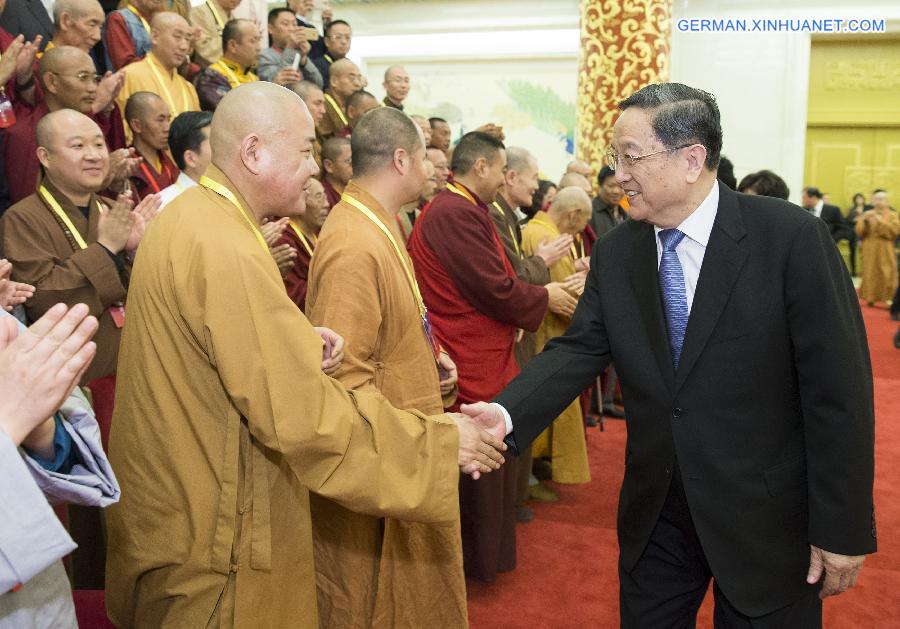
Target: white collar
699, 223
819, 206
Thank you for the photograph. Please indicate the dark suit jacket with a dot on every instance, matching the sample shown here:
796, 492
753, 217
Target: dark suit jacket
837, 226
602, 218
29, 18
769, 416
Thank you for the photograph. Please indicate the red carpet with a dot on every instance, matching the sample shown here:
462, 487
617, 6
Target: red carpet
567, 556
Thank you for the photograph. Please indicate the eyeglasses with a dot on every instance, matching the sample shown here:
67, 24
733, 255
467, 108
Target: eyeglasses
613, 159
84, 77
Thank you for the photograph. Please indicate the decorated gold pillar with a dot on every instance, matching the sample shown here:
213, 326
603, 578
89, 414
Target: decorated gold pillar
624, 47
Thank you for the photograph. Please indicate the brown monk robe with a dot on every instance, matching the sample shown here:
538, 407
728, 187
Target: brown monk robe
374, 572
520, 184
212, 449
564, 440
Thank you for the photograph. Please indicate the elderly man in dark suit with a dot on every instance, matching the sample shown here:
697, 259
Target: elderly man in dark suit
750, 455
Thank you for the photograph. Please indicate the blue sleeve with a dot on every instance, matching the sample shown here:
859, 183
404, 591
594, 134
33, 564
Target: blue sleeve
65, 455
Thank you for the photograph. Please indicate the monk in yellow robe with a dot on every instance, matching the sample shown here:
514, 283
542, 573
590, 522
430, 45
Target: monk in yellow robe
563, 441
878, 229
374, 572
224, 420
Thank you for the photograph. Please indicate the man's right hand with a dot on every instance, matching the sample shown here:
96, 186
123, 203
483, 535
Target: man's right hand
39, 368
561, 302
479, 450
552, 251
272, 230
115, 224
287, 76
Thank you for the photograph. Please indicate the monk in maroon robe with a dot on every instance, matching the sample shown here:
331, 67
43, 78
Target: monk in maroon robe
66, 76
476, 306
301, 234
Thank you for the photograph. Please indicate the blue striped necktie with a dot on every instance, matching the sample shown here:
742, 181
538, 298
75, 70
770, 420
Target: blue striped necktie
671, 281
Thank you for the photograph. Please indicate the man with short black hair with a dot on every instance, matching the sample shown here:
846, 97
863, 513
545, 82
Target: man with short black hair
240, 52
606, 208
750, 456
338, 36
764, 183
276, 63
358, 105
811, 199
440, 134
189, 144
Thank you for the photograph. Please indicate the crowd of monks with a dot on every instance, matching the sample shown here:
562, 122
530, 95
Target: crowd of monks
316, 285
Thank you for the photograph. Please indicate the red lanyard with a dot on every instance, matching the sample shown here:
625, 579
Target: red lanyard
151, 177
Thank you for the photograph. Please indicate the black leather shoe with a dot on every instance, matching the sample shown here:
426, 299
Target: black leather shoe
524, 514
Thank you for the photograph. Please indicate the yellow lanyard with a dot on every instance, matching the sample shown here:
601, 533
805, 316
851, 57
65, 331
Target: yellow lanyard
420, 303
218, 18
215, 186
328, 58
337, 108
302, 237
131, 8
575, 251
461, 192
512, 232
224, 69
64, 217
165, 89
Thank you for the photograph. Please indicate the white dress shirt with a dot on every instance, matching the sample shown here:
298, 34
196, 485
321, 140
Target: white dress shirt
817, 209
169, 193
697, 228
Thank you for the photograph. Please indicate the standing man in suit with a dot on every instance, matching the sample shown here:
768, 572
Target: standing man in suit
811, 199
749, 457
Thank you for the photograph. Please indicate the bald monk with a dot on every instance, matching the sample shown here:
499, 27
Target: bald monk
314, 98
390, 572
519, 185
224, 420
477, 305
424, 125
66, 77
338, 164
396, 87
345, 78
149, 119
81, 253
584, 241
579, 167
564, 441
359, 104
78, 23
170, 36
302, 235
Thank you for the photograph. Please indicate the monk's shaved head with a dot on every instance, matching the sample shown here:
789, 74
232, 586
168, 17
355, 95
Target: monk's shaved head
49, 126
139, 104
62, 59
342, 67
167, 20
261, 136
575, 180
75, 9
231, 121
377, 137
580, 167
571, 198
